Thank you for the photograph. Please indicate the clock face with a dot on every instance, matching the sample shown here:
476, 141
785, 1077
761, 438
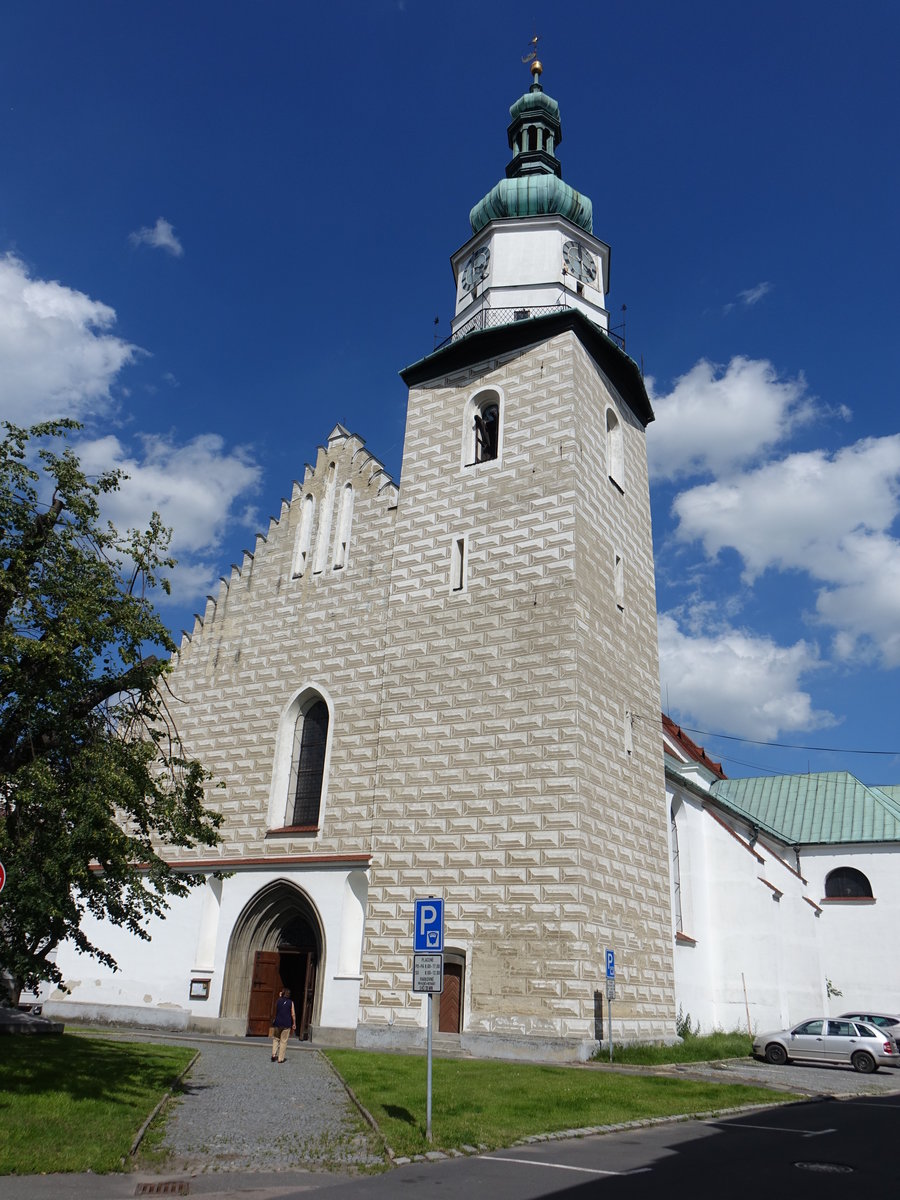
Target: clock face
475, 269
579, 262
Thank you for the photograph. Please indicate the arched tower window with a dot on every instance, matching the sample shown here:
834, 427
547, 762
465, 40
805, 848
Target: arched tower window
308, 762
487, 433
615, 449
848, 884
483, 429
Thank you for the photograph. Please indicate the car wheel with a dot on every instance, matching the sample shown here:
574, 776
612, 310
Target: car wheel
776, 1054
863, 1062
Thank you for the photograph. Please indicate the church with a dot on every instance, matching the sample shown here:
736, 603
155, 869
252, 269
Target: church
428, 687
447, 686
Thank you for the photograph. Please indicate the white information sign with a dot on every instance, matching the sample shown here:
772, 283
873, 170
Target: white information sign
428, 972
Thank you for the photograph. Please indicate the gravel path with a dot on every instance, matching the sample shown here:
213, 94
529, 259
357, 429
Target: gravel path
242, 1112
797, 1077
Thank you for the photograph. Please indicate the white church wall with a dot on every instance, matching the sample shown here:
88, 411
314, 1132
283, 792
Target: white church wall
859, 936
753, 953
153, 983
757, 916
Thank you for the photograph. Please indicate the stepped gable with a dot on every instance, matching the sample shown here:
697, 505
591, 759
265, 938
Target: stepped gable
354, 464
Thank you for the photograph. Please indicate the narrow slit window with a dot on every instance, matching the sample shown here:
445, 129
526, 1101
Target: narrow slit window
458, 565
619, 580
615, 449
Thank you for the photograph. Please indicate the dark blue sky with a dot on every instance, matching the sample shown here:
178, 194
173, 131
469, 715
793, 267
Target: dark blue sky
228, 226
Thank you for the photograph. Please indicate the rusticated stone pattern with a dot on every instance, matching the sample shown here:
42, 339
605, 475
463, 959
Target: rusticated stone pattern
270, 633
505, 781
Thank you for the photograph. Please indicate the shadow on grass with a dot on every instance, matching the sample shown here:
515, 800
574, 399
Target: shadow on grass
399, 1114
82, 1068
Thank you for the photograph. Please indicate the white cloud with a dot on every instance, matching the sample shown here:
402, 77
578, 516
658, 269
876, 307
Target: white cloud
829, 516
194, 487
160, 236
749, 296
57, 358
731, 681
717, 419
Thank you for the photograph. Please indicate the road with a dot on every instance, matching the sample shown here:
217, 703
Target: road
822, 1149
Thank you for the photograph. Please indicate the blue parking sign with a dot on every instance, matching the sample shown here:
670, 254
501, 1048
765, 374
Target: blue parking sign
428, 934
610, 964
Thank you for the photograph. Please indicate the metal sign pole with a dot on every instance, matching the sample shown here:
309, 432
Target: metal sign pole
609, 1018
428, 1100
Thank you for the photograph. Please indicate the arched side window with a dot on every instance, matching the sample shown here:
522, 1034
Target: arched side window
483, 428
308, 763
846, 883
676, 875
615, 449
304, 536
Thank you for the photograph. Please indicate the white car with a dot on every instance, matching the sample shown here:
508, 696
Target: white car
833, 1040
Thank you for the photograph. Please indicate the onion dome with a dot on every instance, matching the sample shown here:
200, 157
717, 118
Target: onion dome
533, 185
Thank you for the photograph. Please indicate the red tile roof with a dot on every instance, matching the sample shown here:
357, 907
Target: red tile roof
690, 749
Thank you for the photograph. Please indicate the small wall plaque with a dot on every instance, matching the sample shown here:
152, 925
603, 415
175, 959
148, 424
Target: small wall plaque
199, 989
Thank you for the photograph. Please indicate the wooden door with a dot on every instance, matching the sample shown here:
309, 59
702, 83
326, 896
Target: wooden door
309, 994
451, 999
263, 992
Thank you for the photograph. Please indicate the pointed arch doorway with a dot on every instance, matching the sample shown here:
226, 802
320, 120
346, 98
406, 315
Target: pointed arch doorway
276, 943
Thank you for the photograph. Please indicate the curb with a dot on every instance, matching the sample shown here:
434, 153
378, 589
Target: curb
141, 1133
363, 1111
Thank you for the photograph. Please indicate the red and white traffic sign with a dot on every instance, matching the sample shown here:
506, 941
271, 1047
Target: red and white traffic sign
2, 876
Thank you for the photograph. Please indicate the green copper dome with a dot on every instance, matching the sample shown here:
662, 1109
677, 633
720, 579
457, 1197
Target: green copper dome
533, 185
532, 196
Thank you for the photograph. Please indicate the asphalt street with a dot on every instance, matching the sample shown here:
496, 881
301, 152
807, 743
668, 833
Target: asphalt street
844, 1134
822, 1149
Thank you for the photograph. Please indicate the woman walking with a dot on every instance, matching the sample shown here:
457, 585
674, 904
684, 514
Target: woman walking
283, 1022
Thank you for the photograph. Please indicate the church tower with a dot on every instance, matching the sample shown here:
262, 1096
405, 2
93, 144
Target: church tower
520, 771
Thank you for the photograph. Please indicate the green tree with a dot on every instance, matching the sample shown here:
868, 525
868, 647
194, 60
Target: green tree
94, 784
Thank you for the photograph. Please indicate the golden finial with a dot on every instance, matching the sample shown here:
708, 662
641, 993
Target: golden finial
531, 56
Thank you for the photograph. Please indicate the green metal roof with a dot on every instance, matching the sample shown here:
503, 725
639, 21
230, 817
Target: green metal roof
533, 185
825, 808
531, 102
531, 196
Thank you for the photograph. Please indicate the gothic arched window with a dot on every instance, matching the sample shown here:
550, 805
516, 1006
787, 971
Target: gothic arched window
846, 883
308, 762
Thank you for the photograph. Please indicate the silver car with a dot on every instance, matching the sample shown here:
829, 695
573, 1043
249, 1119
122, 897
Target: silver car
830, 1040
889, 1024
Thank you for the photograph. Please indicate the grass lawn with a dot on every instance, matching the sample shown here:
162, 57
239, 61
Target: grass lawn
494, 1103
73, 1103
692, 1049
